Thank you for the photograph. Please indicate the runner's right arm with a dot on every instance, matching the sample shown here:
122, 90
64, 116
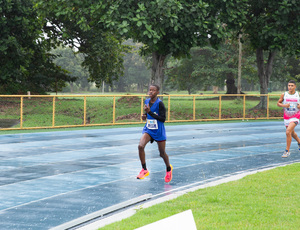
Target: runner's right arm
279, 103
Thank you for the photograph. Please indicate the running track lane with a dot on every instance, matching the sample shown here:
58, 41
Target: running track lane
50, 178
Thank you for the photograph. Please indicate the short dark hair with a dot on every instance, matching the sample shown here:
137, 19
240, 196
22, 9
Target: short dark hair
292, 81
156, 86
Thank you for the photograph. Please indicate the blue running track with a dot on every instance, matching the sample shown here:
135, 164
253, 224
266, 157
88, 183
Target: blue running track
51, 178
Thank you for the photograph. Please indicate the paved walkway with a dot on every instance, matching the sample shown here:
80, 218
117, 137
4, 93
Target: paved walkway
48, 179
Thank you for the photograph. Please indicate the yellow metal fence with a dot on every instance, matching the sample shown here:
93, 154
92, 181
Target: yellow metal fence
60, 111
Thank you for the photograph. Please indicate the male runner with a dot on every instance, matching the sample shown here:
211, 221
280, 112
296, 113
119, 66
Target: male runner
291, 114
154, 130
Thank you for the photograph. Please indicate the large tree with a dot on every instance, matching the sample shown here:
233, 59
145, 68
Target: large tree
72, 62
77, 24
25, 63
271, 26
169, 27
212, 67
199, 71
135, 69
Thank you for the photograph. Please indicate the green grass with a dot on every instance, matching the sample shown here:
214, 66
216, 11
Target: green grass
38, 112
265, 200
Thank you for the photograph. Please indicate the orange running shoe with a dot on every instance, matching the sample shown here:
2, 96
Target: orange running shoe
143, 174
168, 176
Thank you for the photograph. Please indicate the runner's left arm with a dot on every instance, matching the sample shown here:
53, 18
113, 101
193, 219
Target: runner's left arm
162, 113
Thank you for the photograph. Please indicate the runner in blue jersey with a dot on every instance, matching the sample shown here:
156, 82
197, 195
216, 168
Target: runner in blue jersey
154, 130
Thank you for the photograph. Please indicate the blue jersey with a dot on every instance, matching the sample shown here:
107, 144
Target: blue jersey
154, 127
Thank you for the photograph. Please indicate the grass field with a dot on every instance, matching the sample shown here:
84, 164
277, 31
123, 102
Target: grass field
69, 111
265, 200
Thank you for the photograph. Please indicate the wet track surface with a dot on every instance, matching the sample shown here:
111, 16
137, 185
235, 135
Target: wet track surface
50, 178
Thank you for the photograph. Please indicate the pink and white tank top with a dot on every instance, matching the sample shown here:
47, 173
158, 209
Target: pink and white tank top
292, 111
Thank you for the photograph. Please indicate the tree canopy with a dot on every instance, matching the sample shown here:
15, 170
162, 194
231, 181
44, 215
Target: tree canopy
71, 61
135, 69
210, 67
169, 27
76, 24
30, 28
271, 26
25, 61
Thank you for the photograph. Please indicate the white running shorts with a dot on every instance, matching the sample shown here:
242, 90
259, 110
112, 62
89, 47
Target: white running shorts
288, 121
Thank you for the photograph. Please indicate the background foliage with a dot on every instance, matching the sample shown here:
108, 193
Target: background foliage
161, 30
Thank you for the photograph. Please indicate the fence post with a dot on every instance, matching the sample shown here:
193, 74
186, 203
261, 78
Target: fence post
84, 111
142, 106
114, 110
21, 113
268, 98
220, 107
194, 108
169, 107
53, 113
244, 106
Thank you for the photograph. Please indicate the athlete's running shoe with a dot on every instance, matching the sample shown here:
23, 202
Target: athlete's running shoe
299, 146
285, 154
143, 174
168, 176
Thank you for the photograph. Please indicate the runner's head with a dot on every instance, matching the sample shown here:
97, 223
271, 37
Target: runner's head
153, 90
291, 86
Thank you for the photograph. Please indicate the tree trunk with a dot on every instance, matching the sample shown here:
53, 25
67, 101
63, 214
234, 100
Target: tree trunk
215, 89
252, 86
121, 85
239, 87
56, 85
71, 87
264, 74
231, 88
106, 88
157, 73
189, 89
140, 87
